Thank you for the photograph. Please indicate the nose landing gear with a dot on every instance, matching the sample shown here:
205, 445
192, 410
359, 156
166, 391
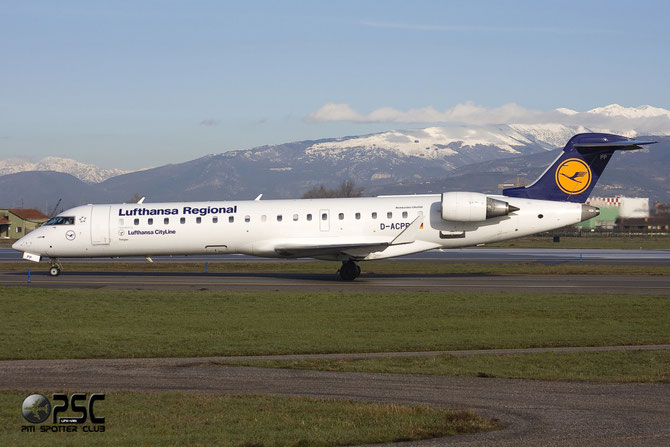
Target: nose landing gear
349, 271
55, 268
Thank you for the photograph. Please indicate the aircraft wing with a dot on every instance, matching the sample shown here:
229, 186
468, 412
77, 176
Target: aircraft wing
354, 249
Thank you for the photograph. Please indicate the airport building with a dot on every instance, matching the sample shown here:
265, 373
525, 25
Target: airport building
653, 224
16, 222
613, 209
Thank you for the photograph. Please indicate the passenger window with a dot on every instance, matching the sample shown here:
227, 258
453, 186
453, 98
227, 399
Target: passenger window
309, 217
215, 219
341, 216
137, 222
151, 221
358, 216
374, 215
404, 214
182, 220
198, 219
324, 216
420, 213
389, 215
166, 220
121, 222
231, 219
295, 217
247, 219
279, 218
264, 218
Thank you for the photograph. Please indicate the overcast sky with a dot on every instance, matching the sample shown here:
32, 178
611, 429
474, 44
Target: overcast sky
130, 84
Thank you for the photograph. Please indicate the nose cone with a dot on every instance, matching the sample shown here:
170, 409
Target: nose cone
26, 243
18, 244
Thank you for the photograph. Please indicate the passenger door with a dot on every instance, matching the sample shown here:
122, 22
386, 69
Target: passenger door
100, 224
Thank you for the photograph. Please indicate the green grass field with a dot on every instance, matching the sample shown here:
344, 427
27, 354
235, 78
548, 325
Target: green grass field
168, 419
83, 323
629, 366
369, 268
655, 242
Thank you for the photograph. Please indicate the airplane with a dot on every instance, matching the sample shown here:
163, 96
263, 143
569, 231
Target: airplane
349, 230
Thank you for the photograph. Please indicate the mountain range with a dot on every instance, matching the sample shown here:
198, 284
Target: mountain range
85, 172
433, 159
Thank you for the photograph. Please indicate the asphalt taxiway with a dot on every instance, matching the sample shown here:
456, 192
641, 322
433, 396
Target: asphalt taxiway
542, 255
657, 285
582, 284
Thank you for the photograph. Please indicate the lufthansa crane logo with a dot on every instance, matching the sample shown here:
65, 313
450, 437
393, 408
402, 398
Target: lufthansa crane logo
573, 176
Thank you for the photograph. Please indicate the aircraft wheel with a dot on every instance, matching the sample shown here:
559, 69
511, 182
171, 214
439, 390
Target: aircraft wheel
54, 271
349, 271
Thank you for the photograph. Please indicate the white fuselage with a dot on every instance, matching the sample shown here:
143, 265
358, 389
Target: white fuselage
259, 227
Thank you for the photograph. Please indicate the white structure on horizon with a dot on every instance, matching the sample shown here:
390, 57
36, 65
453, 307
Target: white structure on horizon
628, 206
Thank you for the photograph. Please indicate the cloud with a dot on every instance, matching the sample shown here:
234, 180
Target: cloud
615, 118
334, 112
467, 112
210, 122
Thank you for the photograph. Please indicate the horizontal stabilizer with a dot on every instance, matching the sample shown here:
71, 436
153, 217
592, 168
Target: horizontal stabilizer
626, 145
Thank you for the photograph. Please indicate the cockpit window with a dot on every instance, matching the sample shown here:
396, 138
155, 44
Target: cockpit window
61, 220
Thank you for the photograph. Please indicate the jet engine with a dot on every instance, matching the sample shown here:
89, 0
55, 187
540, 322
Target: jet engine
472, 207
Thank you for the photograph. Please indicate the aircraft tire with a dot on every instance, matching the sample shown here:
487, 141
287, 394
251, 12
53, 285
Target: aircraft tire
349, 271
54, 271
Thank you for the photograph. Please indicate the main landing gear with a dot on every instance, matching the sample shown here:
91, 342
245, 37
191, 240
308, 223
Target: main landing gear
55, 268
349, 271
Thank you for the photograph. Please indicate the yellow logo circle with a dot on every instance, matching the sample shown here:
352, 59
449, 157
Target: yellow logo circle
573, 176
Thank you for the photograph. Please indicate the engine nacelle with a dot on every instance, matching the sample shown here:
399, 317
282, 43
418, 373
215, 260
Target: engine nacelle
472, 207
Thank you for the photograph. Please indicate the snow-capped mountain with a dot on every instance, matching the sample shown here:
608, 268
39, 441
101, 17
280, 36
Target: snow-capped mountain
613, 118
85, 172
447, 141
615, 110
552, 130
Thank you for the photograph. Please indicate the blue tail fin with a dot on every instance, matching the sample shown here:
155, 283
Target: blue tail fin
573, 175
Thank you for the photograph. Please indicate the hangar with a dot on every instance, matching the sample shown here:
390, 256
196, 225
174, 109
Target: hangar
16, 222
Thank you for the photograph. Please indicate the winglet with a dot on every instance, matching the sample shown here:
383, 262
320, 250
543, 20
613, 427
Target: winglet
258, 198
141, 200
408, 235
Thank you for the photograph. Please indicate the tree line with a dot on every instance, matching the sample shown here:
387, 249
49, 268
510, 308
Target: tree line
346, 189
